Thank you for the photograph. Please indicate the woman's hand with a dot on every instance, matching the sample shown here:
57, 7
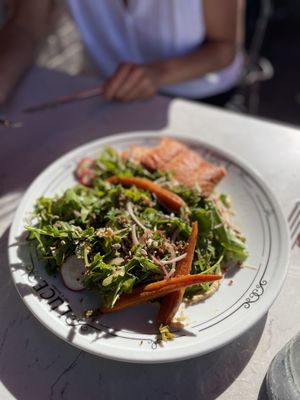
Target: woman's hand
132, 82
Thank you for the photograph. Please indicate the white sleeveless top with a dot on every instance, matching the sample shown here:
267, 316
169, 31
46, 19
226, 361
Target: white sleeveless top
146, 31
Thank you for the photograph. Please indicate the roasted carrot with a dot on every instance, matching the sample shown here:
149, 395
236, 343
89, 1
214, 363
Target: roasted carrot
168, 198
171, 302
158, 289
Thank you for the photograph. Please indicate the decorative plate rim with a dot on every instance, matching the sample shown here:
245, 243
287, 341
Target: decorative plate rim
165, 355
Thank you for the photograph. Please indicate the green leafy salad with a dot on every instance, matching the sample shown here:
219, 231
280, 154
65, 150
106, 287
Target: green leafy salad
126, 236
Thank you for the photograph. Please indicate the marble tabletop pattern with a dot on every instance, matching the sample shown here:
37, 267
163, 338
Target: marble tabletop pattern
35, 364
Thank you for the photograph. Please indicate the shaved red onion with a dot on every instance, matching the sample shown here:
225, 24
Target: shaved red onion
120, 231
161, 265
171, 249
135, 240
174, 236
219, 225
133, 216
174, 260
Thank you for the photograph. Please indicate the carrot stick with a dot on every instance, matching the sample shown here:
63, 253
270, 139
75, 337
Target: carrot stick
171, 302
158, 289
168, 198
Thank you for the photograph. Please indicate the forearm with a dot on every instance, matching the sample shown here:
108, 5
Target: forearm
20, 39
213, 56
224, 37
17, 51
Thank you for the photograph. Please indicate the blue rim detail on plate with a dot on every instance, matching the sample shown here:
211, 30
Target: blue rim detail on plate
251, 295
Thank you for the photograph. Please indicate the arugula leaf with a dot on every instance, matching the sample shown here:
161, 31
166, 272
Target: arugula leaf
94, 224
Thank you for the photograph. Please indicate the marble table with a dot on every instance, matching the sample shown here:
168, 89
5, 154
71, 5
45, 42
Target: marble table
35, 364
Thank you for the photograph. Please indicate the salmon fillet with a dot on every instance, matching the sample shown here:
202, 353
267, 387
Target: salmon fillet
135, 153
188, 167
157, 157
209, 175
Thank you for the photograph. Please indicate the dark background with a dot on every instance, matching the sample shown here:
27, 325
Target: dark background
280, 96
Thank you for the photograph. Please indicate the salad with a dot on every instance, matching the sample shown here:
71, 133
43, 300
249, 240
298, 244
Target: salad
131, 232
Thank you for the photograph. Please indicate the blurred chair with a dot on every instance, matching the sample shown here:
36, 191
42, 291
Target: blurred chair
257, 68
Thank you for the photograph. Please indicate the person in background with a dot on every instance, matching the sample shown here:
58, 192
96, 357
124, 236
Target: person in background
191, 49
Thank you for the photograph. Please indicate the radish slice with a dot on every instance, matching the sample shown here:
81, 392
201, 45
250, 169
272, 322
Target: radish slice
87, 178
72, 272
83, 165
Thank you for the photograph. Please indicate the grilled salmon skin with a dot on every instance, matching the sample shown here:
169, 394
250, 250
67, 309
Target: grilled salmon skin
188, 167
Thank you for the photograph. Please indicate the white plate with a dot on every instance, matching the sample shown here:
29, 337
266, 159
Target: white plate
130, 335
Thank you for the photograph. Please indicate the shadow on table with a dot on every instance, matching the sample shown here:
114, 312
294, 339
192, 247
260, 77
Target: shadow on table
47, 135
263, 395
33, 361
